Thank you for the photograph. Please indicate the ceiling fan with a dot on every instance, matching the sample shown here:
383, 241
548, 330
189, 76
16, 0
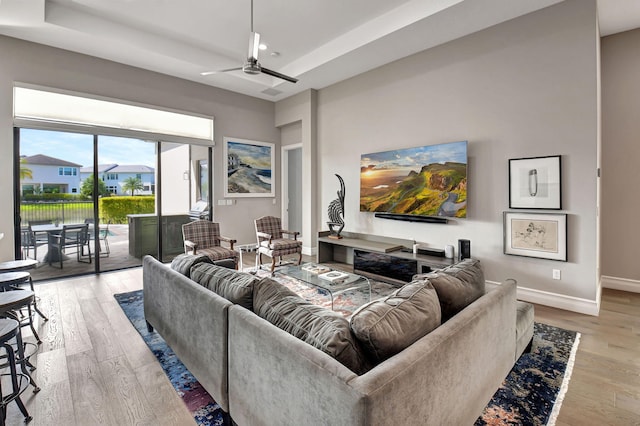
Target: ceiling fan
252, 66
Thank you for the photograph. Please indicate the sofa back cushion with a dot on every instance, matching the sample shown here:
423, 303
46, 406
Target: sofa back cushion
236, 287
183, 263
321, 328
457, 286
387, 326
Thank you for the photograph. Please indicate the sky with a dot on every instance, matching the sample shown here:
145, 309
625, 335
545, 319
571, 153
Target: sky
417, 157
78, 148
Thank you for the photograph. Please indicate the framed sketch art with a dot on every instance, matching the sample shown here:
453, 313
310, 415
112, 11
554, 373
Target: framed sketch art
535, 183
542, 235
248, 169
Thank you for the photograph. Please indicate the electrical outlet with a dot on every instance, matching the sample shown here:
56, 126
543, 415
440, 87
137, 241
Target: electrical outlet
556, 274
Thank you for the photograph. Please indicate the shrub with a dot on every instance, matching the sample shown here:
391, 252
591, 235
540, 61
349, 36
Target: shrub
117, 208
52, 197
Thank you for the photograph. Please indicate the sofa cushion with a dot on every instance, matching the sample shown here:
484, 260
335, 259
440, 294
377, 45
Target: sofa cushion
236, 287
470, 271
457, 286
321, 328
183, 262
387, 326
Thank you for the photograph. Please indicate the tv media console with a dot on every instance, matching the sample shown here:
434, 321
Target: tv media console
377, 257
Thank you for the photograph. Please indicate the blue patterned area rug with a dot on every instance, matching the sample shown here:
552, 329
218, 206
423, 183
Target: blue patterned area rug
530, 395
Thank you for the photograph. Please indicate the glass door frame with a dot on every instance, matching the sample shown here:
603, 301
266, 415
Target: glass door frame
158, 194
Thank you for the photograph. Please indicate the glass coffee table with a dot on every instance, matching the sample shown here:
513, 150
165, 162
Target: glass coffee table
311, 274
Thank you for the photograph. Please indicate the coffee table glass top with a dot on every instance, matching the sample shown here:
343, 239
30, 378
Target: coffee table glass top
311, 273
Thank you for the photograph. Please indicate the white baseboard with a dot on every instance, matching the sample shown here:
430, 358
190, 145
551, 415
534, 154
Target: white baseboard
555, 300
624, 284
309, 251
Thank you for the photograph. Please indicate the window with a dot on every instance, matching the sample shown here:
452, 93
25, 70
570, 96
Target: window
112, 176
74, 190
112, 189
139, 176
146, 188
67, 171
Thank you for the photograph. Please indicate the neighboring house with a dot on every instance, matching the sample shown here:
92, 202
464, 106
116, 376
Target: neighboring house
50, 175
114, 175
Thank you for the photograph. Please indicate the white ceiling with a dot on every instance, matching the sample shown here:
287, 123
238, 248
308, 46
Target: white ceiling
319, 42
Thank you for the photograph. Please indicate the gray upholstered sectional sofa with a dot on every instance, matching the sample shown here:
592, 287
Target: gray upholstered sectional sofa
256, 350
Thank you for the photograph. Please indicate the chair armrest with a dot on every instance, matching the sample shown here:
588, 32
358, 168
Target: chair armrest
264, 235
190, 245
294, 233
231, 241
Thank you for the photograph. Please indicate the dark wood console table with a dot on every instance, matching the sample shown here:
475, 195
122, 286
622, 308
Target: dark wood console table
378, 257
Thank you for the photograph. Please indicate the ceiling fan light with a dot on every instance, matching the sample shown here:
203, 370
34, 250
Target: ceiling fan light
262, 46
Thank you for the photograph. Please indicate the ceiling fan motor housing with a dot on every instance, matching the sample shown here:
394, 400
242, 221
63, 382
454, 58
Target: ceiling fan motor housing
251, 68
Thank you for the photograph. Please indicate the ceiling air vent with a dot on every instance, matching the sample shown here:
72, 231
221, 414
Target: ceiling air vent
271, 91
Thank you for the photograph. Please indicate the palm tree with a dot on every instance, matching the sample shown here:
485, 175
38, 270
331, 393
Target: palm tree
25, 172
132, 184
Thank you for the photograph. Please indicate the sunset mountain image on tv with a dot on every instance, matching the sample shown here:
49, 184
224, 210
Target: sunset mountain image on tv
424, 181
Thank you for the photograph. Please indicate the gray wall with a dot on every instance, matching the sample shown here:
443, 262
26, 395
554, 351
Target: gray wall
621, 153
235, 115
525, 88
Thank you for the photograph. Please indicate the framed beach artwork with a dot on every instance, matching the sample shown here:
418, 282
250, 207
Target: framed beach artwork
541, 235
535, 183
248, 169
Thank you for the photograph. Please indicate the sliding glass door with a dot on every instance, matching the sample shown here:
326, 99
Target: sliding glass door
128, 192
54, 198
127, 204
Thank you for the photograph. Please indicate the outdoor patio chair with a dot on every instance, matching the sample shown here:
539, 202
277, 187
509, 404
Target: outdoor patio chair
103, 235
71, 236
203, 237
271, 241
40, 238
28, 242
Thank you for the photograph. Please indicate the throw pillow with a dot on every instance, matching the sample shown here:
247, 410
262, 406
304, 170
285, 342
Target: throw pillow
389, 325
183, 263
321, 328
457, 286
236, 287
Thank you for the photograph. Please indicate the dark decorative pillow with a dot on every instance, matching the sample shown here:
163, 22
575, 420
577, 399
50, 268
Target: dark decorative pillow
321, 328
236, 287
183, 262
468, 270
389, 325
457, 286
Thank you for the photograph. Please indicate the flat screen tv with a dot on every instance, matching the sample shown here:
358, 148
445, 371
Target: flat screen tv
426, 181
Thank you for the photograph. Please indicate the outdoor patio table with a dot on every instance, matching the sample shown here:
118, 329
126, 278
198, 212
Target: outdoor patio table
50, 228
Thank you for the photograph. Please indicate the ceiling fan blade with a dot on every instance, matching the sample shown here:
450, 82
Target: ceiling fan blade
254, 46
218, 71
278, 75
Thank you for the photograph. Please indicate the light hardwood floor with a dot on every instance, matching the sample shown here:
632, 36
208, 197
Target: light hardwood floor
94, 368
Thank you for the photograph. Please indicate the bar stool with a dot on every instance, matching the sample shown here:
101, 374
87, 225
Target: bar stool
12, 301
18, 265
10, 329
12, 281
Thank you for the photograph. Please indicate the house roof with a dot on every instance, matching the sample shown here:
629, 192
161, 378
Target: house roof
45, 160
132, 168
115, 168
101, 168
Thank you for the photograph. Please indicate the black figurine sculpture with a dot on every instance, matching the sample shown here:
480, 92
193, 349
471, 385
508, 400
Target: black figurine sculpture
336, 213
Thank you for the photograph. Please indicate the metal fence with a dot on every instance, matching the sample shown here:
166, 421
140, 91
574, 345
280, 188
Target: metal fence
56, 212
